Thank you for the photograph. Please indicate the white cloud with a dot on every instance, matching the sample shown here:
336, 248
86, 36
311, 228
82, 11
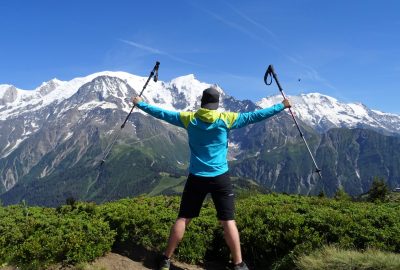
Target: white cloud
157, 51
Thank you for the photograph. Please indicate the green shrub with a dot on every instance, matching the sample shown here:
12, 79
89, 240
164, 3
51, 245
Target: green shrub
199, 236
143, 221
341, 194
45, 236
379, 190
275, 229
146, 222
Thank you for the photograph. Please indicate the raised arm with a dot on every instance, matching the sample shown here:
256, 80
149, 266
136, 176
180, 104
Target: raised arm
171, 117
244, 119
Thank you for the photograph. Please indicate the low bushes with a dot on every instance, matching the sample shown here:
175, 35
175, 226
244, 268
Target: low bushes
275, 229
33, 238
146, 221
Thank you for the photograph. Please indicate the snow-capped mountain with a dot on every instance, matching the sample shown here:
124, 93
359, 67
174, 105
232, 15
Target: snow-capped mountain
53, 134
111, 91
180, 93
324, 112
56, 109
317, 110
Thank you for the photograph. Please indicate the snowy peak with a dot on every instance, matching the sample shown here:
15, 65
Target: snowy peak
325, 112
113, 89
189, 85
49, 86
186, 92
8, 93
53, 91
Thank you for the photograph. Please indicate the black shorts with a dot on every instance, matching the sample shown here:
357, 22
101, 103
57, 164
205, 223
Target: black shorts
196, 189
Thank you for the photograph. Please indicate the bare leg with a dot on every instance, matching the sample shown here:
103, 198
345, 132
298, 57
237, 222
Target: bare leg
176, 235
232, 239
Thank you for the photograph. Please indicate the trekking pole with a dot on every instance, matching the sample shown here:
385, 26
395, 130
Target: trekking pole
154, 73
271, 72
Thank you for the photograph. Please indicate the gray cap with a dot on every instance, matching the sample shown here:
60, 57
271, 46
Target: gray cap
210, 99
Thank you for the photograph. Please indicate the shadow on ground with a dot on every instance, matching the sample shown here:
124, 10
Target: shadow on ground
150, 259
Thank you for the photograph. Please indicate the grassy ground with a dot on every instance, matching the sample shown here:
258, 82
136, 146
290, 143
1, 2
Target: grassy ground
394, 197
331, 258
168, 182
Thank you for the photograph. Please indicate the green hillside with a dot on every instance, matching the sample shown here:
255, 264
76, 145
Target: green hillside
153, 159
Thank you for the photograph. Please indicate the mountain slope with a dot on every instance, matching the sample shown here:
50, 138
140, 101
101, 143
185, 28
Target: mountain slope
349, 159
323, 113
52, 140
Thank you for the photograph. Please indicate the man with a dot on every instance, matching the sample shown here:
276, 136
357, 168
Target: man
208, 131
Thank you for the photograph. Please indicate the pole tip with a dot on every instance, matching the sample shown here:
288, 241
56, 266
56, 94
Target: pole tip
319, 172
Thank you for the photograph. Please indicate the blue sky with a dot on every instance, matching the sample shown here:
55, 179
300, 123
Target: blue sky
346, 49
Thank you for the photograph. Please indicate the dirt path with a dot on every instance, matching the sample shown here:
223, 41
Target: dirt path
131, 257
145, 259
113, 261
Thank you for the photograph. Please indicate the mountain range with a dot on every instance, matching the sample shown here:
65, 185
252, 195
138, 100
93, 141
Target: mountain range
52, 139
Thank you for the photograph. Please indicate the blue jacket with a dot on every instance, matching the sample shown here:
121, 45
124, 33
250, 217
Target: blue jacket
208, 132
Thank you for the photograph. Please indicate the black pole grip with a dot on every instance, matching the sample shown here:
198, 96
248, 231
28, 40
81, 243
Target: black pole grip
155, 71
268, 73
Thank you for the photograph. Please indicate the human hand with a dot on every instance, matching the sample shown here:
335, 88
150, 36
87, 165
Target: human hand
136, 100
286, 103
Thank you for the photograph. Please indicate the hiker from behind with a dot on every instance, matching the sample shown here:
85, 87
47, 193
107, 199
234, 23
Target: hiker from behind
208, 131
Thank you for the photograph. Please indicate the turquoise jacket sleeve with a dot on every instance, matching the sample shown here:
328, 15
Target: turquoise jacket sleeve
248, 118
171, 117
